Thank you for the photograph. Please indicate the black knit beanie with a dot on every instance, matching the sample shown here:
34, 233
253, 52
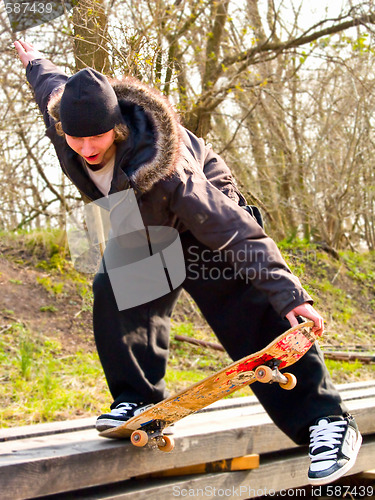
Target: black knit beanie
88, 105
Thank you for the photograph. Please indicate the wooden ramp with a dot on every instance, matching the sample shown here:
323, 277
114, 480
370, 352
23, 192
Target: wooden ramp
69, 460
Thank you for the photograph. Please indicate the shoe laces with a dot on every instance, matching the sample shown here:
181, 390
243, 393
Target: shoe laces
123, 408
327, 435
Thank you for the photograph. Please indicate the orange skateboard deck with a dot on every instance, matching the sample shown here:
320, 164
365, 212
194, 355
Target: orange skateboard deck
262, 366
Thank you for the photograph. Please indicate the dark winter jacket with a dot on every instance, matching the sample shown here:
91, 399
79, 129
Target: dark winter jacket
178, 180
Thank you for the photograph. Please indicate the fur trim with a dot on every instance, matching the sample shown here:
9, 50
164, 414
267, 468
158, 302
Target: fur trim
54, 103
165, 122
166, 125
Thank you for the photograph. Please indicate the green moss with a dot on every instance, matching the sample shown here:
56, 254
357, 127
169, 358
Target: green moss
43, 384
50, 286
52, 309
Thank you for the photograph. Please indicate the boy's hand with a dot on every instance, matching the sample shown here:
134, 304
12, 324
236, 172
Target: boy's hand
27, 52
307, 311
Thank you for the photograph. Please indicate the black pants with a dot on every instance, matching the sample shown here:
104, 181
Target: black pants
133, 344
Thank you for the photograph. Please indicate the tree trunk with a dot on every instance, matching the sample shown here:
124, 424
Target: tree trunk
90, 36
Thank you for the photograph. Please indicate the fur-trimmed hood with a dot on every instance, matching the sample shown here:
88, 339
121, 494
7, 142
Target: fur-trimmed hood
143, 107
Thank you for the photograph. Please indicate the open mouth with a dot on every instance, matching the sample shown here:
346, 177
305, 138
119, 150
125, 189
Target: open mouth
92, 157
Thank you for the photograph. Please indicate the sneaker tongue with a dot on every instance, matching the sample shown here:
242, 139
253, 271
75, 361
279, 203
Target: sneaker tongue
321, 423
327, 420
126, 405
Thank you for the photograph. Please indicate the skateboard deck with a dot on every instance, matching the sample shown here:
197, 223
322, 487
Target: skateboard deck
261, 366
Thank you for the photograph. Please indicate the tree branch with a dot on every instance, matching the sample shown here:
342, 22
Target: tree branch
249, 55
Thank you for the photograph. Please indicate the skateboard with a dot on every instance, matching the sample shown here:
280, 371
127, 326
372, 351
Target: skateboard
263, 366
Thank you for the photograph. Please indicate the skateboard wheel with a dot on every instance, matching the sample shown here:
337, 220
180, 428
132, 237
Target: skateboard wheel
139, 438
263, 374
292, 381
169, 444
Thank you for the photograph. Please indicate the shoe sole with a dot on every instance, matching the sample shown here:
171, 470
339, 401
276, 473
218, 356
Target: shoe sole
108, 423
341, 472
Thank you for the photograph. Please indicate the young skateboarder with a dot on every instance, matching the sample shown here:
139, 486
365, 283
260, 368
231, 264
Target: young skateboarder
112, 137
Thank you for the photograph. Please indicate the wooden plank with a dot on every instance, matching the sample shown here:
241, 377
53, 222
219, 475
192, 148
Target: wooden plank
46, 465
355, 385
230, 464
38, 468
51, 428
368, 474
200, 343
363, 411
249, 404
348, 391
54, 464
353, 394
275, 474
365, 358
226, 419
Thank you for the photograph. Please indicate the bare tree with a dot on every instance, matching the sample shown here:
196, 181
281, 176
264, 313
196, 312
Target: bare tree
287, 102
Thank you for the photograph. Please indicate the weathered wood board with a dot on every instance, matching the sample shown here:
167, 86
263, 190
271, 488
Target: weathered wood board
34, 465
277, 473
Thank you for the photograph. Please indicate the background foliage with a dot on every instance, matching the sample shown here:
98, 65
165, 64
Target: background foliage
283, 89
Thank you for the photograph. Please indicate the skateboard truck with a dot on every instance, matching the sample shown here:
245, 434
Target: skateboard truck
269, 374
154, 438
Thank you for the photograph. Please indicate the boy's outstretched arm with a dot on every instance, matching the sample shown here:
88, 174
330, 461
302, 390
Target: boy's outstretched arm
42, 74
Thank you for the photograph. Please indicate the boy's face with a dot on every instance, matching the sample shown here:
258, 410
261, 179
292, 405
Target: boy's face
96, 150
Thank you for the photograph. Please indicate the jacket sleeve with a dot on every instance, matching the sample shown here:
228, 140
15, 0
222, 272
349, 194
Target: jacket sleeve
221, 224
44, 77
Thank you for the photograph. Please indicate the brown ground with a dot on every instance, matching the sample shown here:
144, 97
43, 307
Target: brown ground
22, 298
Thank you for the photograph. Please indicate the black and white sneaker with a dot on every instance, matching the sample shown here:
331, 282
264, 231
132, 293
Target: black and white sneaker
119, 415
334, 446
